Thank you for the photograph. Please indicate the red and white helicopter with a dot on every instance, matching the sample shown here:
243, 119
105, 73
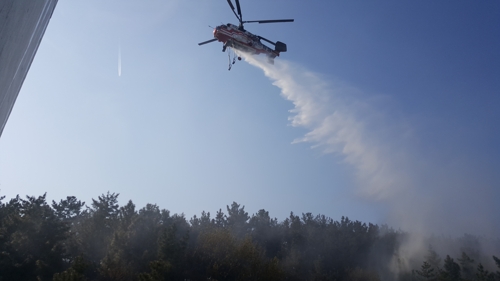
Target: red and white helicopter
238, 38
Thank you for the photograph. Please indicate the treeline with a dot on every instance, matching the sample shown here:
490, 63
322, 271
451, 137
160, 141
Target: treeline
69, 241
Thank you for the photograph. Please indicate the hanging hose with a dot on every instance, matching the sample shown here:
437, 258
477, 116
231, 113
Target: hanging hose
229, 53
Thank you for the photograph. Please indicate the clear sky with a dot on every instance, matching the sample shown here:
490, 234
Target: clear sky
382, 111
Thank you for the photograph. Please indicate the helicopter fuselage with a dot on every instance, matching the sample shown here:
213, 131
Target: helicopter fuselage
234, 37
237, 38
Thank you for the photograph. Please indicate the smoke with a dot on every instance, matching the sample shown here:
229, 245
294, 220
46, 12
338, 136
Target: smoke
424, 194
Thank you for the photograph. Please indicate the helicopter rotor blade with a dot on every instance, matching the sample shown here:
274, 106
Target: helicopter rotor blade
232, 8
230, 4
267, 40
268, 21
208, 41
239, 9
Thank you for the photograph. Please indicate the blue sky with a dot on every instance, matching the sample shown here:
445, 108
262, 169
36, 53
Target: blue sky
384, 112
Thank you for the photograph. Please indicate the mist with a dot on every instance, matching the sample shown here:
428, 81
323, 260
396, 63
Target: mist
427, 192
109, 241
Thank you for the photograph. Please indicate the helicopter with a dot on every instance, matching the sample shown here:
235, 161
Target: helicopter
237, 38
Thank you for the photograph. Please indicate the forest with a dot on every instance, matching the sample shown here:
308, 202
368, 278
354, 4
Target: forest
70, 241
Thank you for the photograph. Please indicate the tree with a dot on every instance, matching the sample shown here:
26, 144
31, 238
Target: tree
202, 222
434, 260
220, 219
68, 209
237, 219
77, 271
294, 245
265, 232
359, 274
451, 270
467, 266
497, 262
222, 256
483, 274
97, 227
141, 238
106, 208
119, 262
170, 264
32, 240
126, 215
109, 242
426, 272
172, 247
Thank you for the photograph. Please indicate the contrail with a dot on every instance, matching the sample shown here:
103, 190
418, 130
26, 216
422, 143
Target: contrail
119, 60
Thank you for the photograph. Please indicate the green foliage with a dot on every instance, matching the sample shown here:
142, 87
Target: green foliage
451, 270
68, 209
359, 274
95, 232
483, 274
225, 257
31, 236
160, 271
75, 273
220, 219
172, 248
237, 219
467, 266
426, 272
106, 241
434, 260
497, 262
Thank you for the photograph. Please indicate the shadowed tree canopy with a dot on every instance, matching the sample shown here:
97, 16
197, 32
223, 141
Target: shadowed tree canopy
65, 241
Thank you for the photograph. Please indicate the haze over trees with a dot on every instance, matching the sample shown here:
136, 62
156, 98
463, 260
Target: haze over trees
68, 240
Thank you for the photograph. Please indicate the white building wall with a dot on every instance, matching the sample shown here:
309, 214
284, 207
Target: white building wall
22, 25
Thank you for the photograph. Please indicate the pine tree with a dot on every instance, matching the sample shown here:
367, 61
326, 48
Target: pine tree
426, 272
237, 220
497, 261
95, 232
434, 260
451, 270
170, 264
467, 266
483, 274
68, 209
220, 219
77, 271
